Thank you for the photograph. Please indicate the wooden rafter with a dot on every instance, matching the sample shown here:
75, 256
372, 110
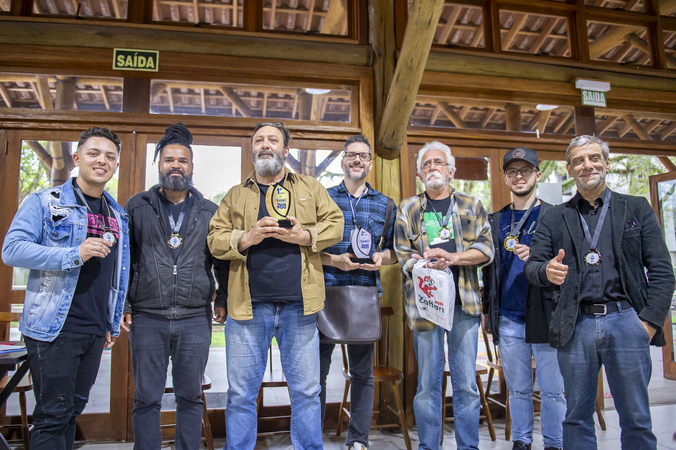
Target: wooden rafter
488, 116
310, 12
104, 95
544, 34
543, 119
452, 116
171, 100
519, 19
610, 39
42, 91
236, 101
638, 129
448, 27
605, 126
6, 96
203, 102
666, 132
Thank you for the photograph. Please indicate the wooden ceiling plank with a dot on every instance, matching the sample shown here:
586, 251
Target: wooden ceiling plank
666, 132
448, 27
104, 95
638, 129
236, 101
543, 119
514, 30
6, 96
452, 116
544, 34
435, 114
667, 7
605, 126
487, 116
310, 13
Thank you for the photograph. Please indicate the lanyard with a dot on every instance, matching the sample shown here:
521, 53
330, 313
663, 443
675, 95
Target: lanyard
514, 230
349, 198
593, 242
176, 225
443, 223
105, 226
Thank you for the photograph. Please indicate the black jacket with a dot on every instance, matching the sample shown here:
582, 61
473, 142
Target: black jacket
157, 286
638, 245
538, 300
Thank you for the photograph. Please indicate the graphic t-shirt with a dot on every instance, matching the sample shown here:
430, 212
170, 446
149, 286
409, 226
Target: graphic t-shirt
89, 309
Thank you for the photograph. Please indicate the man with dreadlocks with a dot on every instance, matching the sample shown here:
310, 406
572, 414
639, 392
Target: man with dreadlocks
168, 309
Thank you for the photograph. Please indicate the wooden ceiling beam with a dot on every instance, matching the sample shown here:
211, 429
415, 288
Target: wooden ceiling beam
514, 30
544, 34
605, 126
104, 95
6, 96
42, 91
418, 39
487, 116
666, 132
638, 129
610, 39
310, 12
203, 101
450, 22
543, 119
667, 7
236, 101
452, 116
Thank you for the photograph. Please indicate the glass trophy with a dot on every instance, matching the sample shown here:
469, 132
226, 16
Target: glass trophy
361, 241
278, 202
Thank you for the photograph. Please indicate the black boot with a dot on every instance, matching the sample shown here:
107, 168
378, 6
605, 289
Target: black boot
518, 445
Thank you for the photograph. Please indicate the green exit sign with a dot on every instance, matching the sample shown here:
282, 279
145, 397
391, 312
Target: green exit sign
593, 98
144, 60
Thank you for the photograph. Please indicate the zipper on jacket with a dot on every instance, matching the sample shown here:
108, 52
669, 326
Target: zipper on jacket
173, 303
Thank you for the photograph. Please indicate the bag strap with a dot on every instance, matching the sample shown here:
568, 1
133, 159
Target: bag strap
388, 216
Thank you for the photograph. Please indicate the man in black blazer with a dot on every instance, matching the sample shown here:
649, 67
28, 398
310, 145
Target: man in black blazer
518, 314
606, 253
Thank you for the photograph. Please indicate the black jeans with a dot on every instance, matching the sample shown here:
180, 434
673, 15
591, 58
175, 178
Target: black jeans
63, 372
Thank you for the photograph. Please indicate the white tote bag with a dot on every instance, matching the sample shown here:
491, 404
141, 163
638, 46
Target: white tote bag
434, 294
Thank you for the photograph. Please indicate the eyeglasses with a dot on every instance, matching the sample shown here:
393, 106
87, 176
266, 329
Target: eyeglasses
351, 156
526, 172
436, 162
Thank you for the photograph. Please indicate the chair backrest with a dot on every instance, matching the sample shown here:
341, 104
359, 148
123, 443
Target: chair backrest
5, 319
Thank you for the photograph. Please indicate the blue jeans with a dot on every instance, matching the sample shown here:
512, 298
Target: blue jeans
427, 404
619, 342
360, 358
246, 351
153, 340
63, 372
517, 356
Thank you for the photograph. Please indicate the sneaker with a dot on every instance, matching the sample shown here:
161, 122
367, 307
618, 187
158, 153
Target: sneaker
553, 448
357, 446
518, 445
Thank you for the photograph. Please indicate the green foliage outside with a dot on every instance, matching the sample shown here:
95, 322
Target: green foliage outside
34, 175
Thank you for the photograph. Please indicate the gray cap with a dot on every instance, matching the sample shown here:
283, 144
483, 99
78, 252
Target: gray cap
521, 154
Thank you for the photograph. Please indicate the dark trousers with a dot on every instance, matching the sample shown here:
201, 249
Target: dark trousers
154, 340
360, 358
63, 372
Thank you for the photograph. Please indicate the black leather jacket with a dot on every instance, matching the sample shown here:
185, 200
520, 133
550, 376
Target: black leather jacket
160, 287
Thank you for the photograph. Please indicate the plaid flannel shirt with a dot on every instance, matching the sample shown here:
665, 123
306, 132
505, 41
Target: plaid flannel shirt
370, 214
471, 229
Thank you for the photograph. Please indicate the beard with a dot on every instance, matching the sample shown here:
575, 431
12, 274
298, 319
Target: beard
268, 167
435, 181
525, 193
353, 177
175, 184
591, 185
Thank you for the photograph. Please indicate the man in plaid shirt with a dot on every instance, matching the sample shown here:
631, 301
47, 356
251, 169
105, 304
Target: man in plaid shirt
363, 207
451, 229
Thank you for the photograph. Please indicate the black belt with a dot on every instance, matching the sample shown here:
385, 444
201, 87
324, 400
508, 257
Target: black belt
601, 309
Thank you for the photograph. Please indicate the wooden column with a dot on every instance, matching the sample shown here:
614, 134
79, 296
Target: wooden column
136, 97
410, 67
585, 121
513, 117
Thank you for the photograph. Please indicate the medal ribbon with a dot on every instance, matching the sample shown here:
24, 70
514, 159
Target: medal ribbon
593, 242
176, 225
349, 198
105, 226
444, 223
514, 230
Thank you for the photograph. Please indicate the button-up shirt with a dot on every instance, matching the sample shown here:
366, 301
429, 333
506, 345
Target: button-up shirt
369, 213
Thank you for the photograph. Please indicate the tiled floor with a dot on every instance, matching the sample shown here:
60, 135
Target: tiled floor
664, 426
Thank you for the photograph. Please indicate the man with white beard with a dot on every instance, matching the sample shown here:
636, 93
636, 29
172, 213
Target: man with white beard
276, 285
451, 229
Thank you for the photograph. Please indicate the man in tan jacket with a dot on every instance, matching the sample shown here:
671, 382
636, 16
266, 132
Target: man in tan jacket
276, 285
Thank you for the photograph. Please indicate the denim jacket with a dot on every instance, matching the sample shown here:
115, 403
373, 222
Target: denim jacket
45, 237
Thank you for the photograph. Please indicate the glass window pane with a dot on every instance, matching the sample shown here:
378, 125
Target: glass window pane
619, 43
534, 33
39, 170
632, 5
324, 165
461, 26
667, 199
306, 16
213, 12
107, 9
74, 93
326, 104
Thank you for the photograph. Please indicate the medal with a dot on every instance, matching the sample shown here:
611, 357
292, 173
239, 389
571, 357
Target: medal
175, 241
445, 233
510, 243
592, 257
110, 237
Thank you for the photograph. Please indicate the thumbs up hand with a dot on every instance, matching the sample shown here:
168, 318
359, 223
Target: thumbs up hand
556, 270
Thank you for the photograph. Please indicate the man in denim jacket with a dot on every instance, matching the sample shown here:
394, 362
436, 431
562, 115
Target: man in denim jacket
74, 238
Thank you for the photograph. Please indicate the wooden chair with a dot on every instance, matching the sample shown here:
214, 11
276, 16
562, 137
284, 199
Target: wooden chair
383, 375
24, 386
206, 425
485, 410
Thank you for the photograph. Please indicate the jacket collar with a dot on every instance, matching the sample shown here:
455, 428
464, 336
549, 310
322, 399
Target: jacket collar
290, 177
